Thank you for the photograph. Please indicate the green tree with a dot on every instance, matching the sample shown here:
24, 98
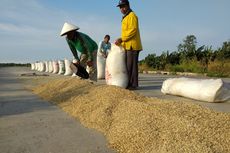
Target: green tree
199, 53
174, 58
162, 60
150, 60
206, 57
188, 48
224, 51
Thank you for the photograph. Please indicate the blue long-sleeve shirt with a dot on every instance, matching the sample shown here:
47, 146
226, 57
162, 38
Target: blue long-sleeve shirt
103, 47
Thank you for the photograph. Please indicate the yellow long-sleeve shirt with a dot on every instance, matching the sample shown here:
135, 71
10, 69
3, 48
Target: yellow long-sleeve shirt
130, 33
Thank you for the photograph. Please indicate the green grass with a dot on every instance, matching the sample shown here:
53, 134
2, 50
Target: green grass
191, 66
214, 69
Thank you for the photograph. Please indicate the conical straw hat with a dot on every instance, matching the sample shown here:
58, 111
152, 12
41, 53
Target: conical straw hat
67, 27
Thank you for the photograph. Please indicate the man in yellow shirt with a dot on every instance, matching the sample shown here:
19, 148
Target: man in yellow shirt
131, 41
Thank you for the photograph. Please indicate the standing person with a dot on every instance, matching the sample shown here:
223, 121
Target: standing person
104, 46
81, 42
131, 41
102, 53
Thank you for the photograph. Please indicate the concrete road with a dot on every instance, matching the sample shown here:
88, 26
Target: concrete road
150, 85
31, 125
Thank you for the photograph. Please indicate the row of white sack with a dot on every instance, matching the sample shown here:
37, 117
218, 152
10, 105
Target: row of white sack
56, 67
113, 68
63, 67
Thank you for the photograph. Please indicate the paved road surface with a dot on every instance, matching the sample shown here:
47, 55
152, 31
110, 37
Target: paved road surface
31, 125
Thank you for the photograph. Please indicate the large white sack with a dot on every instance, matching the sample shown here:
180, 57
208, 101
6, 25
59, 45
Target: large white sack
87, 68
210, 90
100, 65
68, 70
116, 72
39, 66
74, 61
61, 67
50, 66
36, 66
32, 66
55, 67
47, 66
42, 67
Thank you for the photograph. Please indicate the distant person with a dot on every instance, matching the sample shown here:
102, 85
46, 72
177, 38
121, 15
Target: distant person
102, 53
131, 41
81, 42
104, 46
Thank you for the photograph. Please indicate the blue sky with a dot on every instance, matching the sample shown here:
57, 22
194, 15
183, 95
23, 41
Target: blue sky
29, 29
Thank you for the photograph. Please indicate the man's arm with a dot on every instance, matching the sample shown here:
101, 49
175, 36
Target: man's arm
88, 42
73, 50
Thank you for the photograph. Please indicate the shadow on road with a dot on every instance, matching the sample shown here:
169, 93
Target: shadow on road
149, 87
22, 104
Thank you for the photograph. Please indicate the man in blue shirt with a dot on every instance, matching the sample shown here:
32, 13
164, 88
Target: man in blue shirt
104, 46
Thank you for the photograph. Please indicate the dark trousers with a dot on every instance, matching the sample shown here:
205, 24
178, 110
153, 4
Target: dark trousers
132, 67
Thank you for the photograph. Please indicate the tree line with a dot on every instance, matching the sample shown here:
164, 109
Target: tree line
14, 64
191, 58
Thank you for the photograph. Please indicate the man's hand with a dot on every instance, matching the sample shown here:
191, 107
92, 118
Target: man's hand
118, 41
104, 55
90, 63
76, 62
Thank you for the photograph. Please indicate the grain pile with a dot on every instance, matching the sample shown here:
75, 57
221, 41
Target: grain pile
134, 123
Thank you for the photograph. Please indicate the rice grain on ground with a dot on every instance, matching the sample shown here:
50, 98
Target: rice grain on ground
134, 123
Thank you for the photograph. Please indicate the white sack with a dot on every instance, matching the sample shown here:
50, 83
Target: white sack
39, 66
42, 67
47, 66
68, 70
61, 67
74, 61
87, 68
55, 67
32, 66
210, 90
50, 66
116, 72
74, 75
100, 65
36, 66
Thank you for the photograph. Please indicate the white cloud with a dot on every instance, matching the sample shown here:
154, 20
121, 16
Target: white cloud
30, 31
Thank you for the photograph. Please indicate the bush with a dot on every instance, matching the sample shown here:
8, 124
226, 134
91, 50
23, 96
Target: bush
188, 66
144, 67
176, 68
219, 68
